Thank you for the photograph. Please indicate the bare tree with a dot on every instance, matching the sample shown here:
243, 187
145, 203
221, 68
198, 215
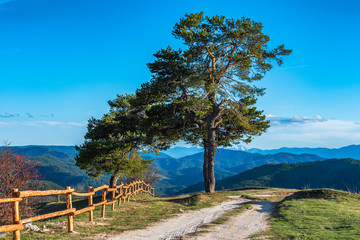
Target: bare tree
16, 171
150, 175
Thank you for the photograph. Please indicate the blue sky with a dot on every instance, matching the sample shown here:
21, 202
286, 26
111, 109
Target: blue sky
62, 60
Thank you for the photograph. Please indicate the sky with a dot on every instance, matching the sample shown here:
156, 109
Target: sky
62, 60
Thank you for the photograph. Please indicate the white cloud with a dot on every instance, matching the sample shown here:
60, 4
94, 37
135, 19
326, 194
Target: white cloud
44, 124
53, 123
297, 120
308, 132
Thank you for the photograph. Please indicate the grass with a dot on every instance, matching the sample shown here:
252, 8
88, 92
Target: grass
138, 213
317, 214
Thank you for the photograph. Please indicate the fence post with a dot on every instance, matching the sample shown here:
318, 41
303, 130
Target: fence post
128, 193
16, 214
113, 199
70, 215
103, 199
90, 200
120, 194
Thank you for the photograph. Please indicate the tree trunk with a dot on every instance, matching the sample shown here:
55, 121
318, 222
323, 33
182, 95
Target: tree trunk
113, 180
206, 167
209, 157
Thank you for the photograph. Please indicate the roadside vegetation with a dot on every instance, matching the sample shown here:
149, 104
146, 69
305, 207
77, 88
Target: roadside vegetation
317, 214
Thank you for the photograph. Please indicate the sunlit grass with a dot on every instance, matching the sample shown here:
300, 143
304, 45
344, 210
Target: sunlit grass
335, 215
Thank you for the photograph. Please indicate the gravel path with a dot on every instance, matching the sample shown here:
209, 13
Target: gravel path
242, 226
175, 227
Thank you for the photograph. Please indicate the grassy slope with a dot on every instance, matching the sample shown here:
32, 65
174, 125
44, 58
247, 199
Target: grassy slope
318, 214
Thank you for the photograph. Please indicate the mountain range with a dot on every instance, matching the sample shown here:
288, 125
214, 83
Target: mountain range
182, 172
57, 164
351, 151
341, 174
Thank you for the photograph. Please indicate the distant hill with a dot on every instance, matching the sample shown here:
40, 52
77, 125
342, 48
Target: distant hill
341, 174
178, 152
352, 151
56, 164
182, 172
31, 151
233, 158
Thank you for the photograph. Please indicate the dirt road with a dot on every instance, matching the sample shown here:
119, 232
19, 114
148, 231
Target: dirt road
244, 225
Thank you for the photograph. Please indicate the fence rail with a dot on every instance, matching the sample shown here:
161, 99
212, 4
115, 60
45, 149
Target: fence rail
118, 193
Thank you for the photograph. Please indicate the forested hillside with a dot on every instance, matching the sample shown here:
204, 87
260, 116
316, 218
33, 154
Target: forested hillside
57, 164
185, 171
341, 174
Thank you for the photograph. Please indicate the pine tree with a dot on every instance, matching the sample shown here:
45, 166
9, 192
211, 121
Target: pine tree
205, 93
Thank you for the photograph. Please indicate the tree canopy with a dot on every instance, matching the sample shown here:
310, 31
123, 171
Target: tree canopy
112, 143
203, 94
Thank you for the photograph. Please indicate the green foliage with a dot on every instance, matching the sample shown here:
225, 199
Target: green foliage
210, 79
111, 144
204, 94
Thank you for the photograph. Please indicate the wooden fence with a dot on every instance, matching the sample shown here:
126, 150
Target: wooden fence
118, 193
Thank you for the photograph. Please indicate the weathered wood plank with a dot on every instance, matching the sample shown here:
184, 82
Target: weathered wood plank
87, 209
12, 227
101, 188
100, 203
48, 215
7, 200
83, 194
108, 203
44, 193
